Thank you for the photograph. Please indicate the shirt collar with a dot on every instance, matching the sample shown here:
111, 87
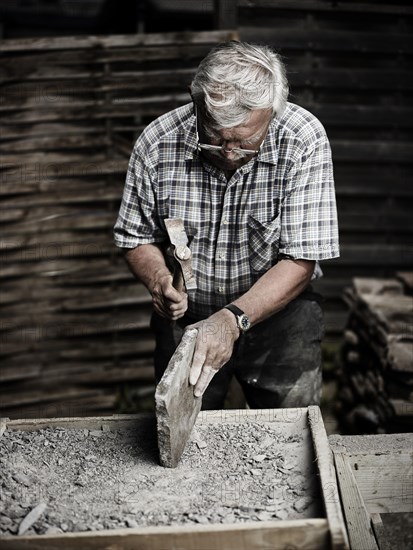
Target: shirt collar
190, 140
269, 150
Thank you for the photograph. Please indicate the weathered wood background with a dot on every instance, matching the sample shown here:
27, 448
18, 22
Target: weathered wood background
74, 324
351, 64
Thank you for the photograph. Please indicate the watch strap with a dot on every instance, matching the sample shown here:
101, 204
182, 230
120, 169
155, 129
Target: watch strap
235, 310
243, 322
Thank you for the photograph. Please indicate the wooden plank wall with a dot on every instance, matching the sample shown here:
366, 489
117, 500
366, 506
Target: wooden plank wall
73, 321
350, 63
74, 324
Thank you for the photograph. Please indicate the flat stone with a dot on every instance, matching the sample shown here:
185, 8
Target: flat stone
53, 530
132, 523
176, 406
259, 458
202, 519
5, 522
302, 503
21, 478
264, 516
90, 457
281, 514
31, 518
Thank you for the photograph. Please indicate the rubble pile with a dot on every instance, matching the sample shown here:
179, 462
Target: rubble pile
375, 387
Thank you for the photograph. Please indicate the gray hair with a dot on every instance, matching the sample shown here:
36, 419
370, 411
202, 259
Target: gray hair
236, 78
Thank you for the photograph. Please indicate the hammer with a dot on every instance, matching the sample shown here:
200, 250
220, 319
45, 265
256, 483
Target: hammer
176, 406
183, 275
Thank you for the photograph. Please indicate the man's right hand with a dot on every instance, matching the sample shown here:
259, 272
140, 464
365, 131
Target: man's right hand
147, 263
167, 301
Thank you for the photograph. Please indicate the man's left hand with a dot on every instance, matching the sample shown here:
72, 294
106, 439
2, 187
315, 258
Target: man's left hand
214, 347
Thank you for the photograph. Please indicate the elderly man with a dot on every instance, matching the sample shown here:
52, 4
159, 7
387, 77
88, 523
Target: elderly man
251, 176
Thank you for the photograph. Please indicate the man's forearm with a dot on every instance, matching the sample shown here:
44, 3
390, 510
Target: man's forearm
275, 289
269, 294
147, 263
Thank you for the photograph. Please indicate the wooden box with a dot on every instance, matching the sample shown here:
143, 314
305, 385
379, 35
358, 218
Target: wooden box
319, 533
375, 475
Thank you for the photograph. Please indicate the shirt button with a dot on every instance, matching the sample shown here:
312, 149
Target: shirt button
221, 289
221, 255
225, 221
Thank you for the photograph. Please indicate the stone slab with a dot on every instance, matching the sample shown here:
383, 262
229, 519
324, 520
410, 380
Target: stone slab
176, 406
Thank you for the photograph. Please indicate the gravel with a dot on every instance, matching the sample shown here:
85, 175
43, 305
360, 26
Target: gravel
59, 480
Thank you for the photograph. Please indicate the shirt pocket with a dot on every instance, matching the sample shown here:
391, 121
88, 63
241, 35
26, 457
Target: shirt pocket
263, 242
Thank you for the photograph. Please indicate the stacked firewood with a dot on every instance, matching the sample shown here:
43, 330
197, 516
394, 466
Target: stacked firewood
375, 389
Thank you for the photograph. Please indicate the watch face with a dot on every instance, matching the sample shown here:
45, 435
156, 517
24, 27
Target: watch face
244, 323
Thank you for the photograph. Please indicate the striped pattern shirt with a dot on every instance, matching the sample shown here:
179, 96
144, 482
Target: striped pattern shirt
281, 204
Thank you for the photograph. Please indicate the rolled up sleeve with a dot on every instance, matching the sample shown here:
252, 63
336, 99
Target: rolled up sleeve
309, 227
138, 222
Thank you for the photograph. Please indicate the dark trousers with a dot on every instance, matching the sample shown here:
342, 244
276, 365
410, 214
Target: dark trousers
277, 362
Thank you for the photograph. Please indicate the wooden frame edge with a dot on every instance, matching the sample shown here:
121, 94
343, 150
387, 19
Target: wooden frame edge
328, 480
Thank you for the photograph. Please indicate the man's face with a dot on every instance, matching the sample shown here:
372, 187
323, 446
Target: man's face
247, 136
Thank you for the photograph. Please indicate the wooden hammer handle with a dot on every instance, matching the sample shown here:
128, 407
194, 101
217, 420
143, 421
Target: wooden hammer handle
178, 281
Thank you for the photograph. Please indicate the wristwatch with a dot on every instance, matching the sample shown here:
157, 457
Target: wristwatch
242, 319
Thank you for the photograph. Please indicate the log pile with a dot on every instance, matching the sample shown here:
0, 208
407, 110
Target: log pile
375, 392
74, 325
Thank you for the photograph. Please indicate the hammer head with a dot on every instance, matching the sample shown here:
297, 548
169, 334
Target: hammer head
181, 253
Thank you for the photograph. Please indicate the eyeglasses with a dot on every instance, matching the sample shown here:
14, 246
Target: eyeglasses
207, 147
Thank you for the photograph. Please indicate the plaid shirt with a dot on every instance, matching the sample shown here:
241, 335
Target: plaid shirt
281, 204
